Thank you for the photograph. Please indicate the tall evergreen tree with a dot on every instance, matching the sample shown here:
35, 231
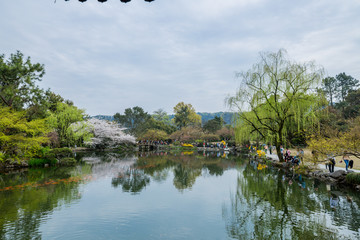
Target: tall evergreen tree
330, 88
18, 77
133, 119
345, 83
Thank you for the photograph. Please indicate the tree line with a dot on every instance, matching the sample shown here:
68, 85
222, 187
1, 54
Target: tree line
185, 126
280, 102
34, 120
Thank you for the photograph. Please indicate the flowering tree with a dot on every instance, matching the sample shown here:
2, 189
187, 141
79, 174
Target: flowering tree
107, 134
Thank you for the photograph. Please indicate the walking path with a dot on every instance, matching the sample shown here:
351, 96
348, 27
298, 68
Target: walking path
321, 166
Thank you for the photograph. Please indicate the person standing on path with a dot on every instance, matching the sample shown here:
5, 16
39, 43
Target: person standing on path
346, 159
351, 164
332, 164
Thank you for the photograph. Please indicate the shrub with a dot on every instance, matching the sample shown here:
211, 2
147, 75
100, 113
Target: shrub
40, 162
188, 145
353, 178
261, 153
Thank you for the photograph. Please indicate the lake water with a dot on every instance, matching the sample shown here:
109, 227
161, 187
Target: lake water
173, 196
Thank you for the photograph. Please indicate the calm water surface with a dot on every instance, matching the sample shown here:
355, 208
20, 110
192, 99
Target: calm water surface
173, 196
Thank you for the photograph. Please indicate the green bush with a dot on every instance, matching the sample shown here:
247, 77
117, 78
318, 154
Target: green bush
353, 178
40, 162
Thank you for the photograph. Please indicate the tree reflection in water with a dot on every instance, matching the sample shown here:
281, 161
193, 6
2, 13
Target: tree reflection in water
23, 210
132, 180
268, 205
184, 177
185, 168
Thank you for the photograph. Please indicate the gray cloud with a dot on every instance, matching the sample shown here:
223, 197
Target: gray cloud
107, 57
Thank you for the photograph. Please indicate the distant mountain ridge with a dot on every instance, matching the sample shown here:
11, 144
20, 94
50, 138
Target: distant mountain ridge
205, 116
104, 117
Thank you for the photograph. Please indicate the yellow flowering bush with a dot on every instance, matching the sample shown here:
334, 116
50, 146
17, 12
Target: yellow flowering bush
187, 145
261, 166
260, 153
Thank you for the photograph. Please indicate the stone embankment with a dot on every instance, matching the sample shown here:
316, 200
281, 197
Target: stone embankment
319, 172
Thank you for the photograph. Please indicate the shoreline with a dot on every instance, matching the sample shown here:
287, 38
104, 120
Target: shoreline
316, 171
312, 171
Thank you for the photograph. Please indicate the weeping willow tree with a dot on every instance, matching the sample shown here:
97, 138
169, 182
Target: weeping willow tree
275, 97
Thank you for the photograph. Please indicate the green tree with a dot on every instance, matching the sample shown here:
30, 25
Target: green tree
273, 92
161, 116
345, 83
352, 104
330, 88
48, 101
214, 124
18, 77
20, 138
133, 119
152, 123
185, 116
154, 134
62, 119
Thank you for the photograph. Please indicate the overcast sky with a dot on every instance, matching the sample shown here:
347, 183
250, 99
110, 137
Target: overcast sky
110, 56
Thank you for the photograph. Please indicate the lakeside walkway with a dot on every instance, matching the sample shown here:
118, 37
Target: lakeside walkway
321, 166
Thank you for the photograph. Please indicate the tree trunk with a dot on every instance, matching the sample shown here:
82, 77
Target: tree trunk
278, 152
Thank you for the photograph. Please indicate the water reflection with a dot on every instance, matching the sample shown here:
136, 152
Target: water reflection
185, 166
270, 205
23, 209
264, 203
132, 180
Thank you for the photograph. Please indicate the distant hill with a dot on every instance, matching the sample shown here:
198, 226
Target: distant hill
104, 117
227, 116
205, 116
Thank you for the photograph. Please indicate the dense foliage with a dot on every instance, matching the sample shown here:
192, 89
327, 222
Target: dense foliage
276, 97
33, 119
186, 116
20, 138
18, 78
62, 118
